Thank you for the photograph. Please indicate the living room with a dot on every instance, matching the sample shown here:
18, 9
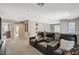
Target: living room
41, 37
40, 28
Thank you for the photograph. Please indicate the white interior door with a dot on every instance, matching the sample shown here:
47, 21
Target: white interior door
16, 31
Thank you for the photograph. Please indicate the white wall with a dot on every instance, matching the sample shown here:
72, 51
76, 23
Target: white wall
63, 26
52, 27
31, 28
12, 30
41, 27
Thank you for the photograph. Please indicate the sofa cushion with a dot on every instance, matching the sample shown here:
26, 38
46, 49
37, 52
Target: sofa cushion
48, 39
44, 44
58, 51
54, 45
66, 45
50, 34
40, 34
33, 40
70, 37
52, 42
38, 39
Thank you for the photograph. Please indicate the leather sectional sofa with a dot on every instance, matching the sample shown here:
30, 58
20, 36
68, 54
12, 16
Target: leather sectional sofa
67, 42
49, 43
41, 41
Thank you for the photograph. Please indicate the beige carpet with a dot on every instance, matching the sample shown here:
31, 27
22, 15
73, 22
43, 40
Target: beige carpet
20, 47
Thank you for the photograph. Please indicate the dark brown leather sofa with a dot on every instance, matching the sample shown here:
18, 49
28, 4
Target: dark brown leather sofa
42, 41
49, 43
32, 40
42, 45
54, 48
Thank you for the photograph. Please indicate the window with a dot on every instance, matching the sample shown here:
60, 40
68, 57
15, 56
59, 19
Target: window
57, 28
71, 27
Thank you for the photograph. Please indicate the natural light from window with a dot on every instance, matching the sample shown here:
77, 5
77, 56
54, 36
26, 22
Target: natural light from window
71, 27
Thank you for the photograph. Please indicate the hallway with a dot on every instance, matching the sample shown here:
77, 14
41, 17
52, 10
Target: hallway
20, 47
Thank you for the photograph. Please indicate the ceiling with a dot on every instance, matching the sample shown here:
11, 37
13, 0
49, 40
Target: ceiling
49, 13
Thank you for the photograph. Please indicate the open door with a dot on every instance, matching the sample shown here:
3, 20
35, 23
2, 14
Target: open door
16, 31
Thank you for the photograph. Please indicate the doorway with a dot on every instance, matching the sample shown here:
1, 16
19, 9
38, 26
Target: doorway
16, 31
6, 31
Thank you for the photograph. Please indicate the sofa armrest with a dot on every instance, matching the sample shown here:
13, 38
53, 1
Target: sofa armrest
39, 39
54, 44
32, 37
1, 42
48, 39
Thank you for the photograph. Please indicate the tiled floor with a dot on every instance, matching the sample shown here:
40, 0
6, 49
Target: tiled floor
20, 47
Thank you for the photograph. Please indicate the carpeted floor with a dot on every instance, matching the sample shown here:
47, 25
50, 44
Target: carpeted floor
20, 47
